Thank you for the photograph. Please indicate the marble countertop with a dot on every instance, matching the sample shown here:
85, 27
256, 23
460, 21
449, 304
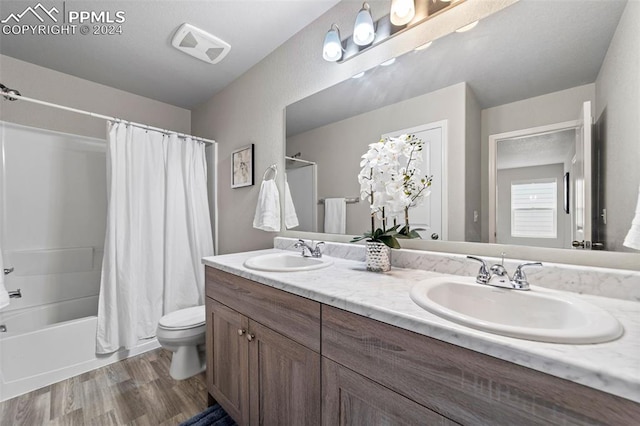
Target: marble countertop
612, 367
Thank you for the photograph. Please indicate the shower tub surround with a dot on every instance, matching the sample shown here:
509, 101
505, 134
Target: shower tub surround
49, 343
610, 367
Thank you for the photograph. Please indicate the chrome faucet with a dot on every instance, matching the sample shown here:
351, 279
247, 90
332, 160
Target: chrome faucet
498, 276
313, 251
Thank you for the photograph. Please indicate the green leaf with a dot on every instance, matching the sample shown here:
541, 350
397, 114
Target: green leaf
389, 241
414, 234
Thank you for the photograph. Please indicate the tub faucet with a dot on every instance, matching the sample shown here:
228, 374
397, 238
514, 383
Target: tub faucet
498, 276
15, 294
313, 251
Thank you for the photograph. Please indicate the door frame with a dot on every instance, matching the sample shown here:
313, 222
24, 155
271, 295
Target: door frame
444, 202
493, 161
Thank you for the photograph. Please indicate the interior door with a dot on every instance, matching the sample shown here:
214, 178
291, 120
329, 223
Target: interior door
581, 182
430, 215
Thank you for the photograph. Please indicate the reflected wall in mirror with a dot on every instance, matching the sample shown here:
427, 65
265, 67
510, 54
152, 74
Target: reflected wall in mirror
530, 67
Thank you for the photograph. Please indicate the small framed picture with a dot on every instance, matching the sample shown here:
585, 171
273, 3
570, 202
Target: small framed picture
242, 167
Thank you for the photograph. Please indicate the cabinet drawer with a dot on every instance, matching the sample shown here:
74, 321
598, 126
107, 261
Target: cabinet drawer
291, 315
463, 385
351, 399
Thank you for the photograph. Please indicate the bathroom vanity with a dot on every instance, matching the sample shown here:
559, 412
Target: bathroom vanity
316, 347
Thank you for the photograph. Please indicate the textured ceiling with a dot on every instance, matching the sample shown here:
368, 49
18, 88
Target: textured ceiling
530, 48
141, 59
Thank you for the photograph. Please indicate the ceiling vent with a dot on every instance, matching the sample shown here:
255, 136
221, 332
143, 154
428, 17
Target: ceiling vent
200, 44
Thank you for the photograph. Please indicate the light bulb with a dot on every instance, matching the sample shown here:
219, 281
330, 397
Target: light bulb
467, 27
423, 46
389, 62
363, 31
402, 11
332, 47
360, 74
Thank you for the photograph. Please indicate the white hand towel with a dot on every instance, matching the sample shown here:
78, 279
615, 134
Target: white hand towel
4, 295
335, 216
633, 236
290, 216
267, 217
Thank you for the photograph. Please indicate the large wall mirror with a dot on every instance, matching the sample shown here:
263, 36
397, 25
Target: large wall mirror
532, 119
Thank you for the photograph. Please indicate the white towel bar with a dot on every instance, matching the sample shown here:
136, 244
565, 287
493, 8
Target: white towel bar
346, 200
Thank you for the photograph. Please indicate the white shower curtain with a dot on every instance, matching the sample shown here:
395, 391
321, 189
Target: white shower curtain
158, 229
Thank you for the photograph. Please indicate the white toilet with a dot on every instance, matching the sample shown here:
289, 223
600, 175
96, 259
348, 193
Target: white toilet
183, 333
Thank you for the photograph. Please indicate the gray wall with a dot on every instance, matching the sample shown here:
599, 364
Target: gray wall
556, 107
617, 109
52, 86
505, 177
472, 167
338, 157
251, 109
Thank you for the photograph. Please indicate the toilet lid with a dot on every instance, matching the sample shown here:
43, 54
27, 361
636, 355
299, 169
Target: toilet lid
184, 318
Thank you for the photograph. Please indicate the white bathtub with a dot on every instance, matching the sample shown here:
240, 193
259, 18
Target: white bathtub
46, 344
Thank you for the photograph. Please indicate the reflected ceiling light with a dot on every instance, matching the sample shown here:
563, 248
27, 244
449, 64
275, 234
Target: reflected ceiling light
467, 27
424, 46
389, 62
363, 31
360, 74
332, 48
402, 11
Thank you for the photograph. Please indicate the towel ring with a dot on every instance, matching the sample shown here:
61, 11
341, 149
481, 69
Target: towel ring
273, 167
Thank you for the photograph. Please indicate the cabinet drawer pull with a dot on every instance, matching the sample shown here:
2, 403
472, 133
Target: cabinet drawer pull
250, 337
241, 331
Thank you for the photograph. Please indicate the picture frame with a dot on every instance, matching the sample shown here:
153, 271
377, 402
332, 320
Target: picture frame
242, 167
567, 195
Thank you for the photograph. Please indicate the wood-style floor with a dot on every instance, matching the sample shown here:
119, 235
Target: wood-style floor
136, 391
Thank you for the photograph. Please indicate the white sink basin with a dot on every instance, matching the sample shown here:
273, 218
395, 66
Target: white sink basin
539, 314
286, 262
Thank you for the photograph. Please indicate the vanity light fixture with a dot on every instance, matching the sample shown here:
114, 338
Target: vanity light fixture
402, 11
467, 27
403, 15
332, 48
360, 74
363, 31
423, 46
387, 63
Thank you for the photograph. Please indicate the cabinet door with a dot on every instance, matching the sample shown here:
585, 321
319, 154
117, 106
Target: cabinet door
284, 378
352, 399
227, 358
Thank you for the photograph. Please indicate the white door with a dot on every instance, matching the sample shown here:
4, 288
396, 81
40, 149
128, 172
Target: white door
581, 182
430, 215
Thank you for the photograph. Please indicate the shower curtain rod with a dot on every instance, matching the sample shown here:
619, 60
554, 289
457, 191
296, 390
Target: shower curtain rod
104, 117
301, 161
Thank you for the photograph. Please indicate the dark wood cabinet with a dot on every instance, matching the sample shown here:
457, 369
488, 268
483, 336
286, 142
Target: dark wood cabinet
259, 375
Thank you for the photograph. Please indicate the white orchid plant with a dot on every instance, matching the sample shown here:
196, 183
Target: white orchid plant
392, 181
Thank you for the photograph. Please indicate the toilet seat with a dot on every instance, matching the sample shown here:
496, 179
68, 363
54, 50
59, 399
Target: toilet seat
183, 319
